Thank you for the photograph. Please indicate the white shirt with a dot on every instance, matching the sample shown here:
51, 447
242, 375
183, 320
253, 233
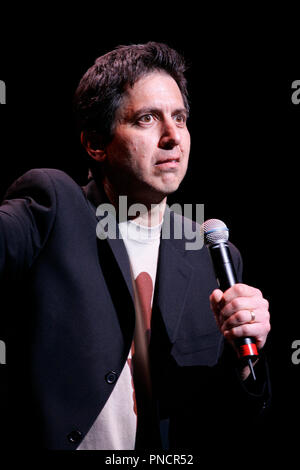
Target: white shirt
115, 427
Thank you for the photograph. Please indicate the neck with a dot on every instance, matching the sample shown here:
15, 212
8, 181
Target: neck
151, 216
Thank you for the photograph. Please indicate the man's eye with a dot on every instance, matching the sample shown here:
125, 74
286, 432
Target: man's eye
146, 119
180, 118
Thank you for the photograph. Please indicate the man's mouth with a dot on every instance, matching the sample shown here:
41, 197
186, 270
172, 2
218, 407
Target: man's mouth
167, 163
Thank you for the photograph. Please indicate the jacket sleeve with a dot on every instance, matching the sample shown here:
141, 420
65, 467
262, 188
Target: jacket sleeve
27, 215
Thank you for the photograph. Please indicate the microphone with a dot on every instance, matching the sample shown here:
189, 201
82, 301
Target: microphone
216, 236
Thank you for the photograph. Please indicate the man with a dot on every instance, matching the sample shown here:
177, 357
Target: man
119, 346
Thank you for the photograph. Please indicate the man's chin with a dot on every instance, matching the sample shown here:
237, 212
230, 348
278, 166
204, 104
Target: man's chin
170, 187
155, 193
162, 193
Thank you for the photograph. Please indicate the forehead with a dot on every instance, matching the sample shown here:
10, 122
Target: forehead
156, 89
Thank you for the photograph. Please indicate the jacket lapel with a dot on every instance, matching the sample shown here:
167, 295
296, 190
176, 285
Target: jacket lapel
96, 197
174, 276
118, 248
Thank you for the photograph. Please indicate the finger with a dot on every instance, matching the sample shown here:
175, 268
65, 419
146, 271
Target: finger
215, 299
243, 303
216, 295
258, 331
240, 318
240, 290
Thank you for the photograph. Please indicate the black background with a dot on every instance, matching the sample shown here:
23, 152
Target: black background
243, 164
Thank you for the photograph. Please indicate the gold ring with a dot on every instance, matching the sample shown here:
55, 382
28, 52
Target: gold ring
252, 316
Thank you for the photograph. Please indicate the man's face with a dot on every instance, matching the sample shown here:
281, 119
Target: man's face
148, 155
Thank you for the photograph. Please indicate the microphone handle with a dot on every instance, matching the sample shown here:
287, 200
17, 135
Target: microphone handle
226, 277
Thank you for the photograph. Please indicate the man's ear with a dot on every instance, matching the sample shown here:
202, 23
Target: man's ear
92, 143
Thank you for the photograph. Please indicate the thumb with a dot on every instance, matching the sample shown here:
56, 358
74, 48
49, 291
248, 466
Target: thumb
216, 298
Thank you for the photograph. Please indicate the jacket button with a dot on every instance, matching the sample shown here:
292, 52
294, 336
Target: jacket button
74, 436
111, 377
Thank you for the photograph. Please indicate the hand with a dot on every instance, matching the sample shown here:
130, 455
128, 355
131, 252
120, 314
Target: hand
232, 310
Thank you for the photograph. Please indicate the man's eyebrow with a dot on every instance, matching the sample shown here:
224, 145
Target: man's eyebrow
154, 110
181, 111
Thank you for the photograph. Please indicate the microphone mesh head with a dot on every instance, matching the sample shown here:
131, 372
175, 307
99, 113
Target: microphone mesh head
214, 231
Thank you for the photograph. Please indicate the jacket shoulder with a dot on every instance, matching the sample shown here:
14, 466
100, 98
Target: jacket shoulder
44, 179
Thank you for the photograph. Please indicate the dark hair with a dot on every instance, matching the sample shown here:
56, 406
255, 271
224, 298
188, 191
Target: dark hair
100, 90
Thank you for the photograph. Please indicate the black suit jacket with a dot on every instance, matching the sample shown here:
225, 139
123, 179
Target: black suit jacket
69, 320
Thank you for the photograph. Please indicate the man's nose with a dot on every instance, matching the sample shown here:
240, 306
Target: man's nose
170, 135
